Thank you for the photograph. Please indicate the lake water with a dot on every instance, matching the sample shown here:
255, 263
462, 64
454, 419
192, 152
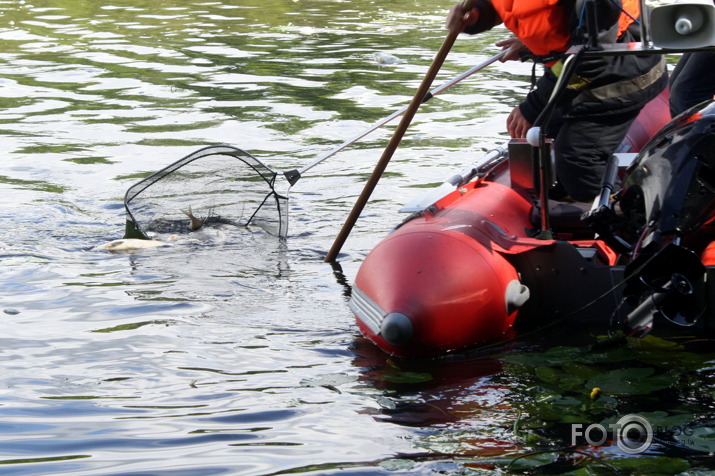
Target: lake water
237, 356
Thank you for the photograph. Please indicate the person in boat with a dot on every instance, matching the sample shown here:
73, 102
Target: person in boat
692, 81
604, 96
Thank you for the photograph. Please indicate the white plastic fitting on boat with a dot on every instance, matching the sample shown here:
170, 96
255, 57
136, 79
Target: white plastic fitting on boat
532, 136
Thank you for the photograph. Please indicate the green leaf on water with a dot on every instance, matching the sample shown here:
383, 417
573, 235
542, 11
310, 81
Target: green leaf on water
549, 358
328, 380
584, 372
408, 377
612, 355
652, 342
663, 420
398, 464
562, 380
660, 422
631, 381
699, 439
651, 466
132, 326
531, 461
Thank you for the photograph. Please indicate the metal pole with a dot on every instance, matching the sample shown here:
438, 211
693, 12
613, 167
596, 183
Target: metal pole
646, 38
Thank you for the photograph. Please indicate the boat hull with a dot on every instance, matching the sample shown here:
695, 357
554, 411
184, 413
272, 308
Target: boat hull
441, 282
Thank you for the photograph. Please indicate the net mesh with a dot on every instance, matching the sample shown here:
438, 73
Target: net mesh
214, 185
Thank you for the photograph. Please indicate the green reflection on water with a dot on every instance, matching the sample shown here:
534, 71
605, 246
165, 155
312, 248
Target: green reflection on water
35, 185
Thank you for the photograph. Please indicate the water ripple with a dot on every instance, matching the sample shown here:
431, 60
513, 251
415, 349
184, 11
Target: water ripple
232, 356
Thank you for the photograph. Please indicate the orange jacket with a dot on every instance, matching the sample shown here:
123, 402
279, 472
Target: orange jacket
632, 10
543, 25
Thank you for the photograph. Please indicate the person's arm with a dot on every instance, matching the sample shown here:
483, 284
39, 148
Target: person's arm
516, 124
538, 97
522, 117
516, 49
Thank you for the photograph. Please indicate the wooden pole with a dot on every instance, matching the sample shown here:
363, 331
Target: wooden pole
395, 140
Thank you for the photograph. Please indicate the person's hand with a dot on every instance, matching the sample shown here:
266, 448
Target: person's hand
516, 124
514, 45
458, 19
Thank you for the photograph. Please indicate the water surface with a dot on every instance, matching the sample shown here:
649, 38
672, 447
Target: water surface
239, 355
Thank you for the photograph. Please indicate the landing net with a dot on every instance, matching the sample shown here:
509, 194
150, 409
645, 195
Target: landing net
213, 186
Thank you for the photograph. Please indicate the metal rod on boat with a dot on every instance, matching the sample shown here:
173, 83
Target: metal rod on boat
396, 138
542, 157
608, 181
294, 175
646, 38
491, 159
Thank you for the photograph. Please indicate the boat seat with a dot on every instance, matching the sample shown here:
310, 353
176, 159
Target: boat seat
565, 217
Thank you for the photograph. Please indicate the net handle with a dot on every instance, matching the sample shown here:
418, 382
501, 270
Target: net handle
294, 175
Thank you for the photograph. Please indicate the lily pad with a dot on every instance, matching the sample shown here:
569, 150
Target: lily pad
651, 466
616, 354
699, 439
564, 381
584, 372
651, 342
631, 381
398, 464
408, 377
328, 380
529, 462
549, 358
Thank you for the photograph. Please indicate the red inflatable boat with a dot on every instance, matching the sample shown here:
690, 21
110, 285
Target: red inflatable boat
469, 264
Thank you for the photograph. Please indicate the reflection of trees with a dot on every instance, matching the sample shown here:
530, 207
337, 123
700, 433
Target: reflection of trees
234, 60
303, 53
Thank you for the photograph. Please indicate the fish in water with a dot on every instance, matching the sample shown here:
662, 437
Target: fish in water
208, 236
130, 244
195, 223
384, 58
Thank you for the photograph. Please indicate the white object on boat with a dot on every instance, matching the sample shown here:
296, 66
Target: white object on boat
532, 136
